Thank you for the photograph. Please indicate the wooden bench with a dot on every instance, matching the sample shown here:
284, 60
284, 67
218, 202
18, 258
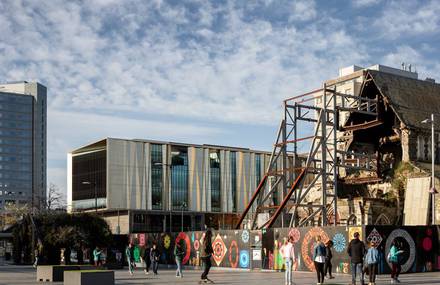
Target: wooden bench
89, 277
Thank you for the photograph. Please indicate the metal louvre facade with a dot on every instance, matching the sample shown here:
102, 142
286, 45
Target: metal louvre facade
162, 176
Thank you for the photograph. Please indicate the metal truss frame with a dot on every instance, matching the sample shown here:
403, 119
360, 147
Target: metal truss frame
321, 168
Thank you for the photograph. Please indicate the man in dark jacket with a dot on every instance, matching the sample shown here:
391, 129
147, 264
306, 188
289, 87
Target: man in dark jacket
356, 251
205, 255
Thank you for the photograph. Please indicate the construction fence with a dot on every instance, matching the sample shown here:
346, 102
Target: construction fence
259, 249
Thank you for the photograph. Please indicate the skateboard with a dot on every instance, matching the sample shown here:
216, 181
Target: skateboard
206, 281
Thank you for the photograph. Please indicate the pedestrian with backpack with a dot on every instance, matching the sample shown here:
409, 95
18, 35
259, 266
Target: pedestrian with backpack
394, 257
319, 259
205, 256
372, 260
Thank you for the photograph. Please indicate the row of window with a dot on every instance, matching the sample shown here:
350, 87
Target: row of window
10, 115
26, 125
16, 99
16, 107
16, 142
15, 158
15, 133
12, 193
16, 166
26, 150
15, 184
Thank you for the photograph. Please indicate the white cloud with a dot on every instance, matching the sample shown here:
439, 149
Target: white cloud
405, 19
365, 3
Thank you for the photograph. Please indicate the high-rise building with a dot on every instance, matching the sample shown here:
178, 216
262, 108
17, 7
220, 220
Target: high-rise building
22, 144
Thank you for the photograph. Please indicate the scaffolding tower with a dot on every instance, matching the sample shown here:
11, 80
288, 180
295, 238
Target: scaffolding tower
293, 178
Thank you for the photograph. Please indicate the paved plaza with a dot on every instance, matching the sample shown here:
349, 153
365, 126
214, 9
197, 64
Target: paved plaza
17, 275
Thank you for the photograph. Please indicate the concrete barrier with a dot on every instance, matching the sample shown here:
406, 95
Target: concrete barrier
89, 277
55, 273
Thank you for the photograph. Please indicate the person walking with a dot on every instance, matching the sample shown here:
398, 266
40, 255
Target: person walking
179, 253
97, 252
328, 259
356, 251
130, 259
205, 256
319, 259
394, 257
288, 253
146, 259
372, 259
155, 256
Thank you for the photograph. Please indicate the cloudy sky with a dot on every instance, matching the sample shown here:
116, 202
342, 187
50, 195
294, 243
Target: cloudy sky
197, 71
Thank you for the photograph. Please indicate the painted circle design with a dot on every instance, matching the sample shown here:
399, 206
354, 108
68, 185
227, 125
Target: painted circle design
235, 247
244, 259
219, 250
308, 244
167, 241
183, 236
196, 244
245, 236
339, 242
412, 247
427, 244
295, 234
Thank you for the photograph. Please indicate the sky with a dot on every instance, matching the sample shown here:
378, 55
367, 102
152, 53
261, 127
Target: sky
196, 71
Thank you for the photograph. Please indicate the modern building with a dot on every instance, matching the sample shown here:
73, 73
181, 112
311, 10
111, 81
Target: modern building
155, 186
22, 143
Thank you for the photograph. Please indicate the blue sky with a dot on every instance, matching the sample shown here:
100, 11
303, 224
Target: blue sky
197, 71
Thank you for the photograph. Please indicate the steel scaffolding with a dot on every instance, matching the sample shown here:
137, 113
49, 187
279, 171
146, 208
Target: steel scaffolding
294, 179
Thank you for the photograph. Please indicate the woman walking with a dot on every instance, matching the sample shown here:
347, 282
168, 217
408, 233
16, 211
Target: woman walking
154, 256
288, 253
205, 256
130, 259
319, 259
394, 258
179, 254
146, 259
328, 259
372, 259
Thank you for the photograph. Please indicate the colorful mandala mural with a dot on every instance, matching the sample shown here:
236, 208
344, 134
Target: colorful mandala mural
295, 234
244, 259
184, 236
245, 236
166, 241
219, 248
339, 242
233, 248
308, 246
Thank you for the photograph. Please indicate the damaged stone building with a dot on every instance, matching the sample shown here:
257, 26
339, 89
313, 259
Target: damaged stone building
398, 191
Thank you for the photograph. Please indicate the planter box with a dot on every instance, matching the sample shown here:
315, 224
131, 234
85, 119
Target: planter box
53, 273
89, 277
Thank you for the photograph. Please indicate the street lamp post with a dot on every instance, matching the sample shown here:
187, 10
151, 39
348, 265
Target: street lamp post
96, 193
432, 190
183, 208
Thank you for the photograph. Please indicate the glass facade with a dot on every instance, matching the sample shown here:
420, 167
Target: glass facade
179, 178
233, 169
257, 169
214, 170
15, 148
156, 176
89, 167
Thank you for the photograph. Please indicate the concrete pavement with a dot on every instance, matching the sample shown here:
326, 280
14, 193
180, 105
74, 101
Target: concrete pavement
23, 275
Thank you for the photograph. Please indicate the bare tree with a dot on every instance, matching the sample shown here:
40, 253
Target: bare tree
55, 199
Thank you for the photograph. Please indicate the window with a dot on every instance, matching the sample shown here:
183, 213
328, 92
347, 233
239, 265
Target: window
89, 167
156, 176
257, 169
179, 177
233, 168
214, 170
